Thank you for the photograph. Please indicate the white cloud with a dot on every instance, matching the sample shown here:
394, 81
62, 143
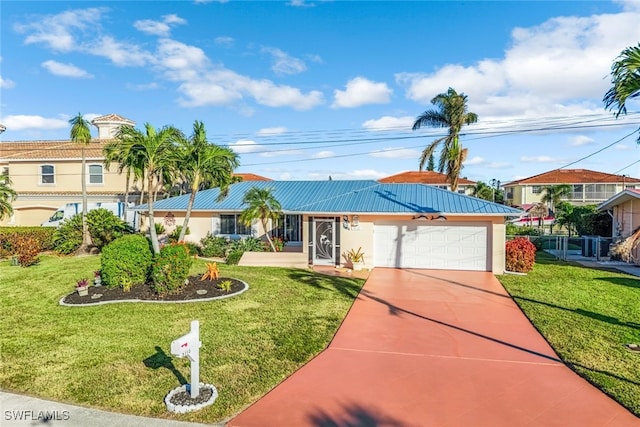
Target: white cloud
159, 28
272, 131
300, 3
65, 70
56, 31
32, 122
200, 83
144, 86
283, 63
324, 154
120, 53
396, 153
540, 159
579, 140
389, 123
542, 72
224, 41
361, 91
6, 83
245, 146
477, 160
281, 153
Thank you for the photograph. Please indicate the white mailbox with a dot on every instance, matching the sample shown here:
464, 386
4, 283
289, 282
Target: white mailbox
189, 346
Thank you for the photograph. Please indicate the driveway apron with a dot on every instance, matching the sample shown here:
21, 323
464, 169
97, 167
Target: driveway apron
435, 348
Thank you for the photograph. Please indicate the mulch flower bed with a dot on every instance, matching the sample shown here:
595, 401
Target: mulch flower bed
195, 290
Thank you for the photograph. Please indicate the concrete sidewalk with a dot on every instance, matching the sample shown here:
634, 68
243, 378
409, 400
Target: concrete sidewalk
22, 411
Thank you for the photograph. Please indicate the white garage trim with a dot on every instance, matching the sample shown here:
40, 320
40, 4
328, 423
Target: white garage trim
450, 246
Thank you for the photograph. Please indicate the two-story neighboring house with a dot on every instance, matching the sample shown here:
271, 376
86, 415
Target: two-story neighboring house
47, 174
589, 187
436, 179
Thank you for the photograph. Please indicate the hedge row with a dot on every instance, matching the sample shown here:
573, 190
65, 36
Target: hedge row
12, 237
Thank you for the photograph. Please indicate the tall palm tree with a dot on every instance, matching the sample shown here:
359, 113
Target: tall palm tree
452, 113
204, 162
553, 194
7, 196
625, 78
154, 149
262, 205
81, 134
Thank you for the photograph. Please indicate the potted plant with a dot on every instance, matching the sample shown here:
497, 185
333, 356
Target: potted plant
97, 278
82, 286
356, 258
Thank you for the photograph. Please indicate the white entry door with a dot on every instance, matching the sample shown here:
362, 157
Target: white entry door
411, 244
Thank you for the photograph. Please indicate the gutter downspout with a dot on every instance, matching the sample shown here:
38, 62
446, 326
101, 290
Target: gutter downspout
614, 224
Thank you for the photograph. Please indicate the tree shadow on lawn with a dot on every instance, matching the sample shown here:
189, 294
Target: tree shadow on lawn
597, 316
631, 281
161, 360
345, 286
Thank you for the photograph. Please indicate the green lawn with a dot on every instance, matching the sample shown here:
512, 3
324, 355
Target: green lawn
587, 316
114, 356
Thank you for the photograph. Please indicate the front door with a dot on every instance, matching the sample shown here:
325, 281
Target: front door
324, 249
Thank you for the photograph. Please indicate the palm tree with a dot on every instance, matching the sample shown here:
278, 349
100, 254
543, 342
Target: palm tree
451, 112
7, 196
204, 162
553, 194
121, 152
154, 149
625, 78
482, 191
81, 134
262, 205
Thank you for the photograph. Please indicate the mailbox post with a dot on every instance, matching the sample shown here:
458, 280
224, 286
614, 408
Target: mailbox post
189, 345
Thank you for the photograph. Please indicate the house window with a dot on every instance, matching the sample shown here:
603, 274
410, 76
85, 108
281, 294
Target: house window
289, 228
47, 174
578, 192
536, 189
231, 224
95, 174
462, 190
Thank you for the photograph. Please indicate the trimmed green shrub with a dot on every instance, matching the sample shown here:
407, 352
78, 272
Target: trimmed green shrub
214, 246
68, 237
234, 256
520, 255
104, 228
250, 244
127, 258
516, 230
171, 268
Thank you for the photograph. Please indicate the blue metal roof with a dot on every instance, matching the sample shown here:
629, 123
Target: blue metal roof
337, 197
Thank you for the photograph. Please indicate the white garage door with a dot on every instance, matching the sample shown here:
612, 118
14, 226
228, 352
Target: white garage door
410, 244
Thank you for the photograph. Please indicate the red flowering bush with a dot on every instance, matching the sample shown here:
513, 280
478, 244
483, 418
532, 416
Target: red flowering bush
520, 255
27, 249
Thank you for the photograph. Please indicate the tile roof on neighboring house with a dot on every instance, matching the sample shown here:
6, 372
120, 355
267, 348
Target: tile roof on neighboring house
112, 118
344, 197
422, 177
252, 177
573, 176
49, 150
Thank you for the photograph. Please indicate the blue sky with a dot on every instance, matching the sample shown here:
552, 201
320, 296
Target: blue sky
308, 90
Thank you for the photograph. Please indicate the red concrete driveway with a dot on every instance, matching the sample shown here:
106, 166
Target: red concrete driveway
435, 348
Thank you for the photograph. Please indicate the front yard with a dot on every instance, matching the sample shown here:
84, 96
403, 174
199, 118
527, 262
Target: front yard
117, 356
587, 316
